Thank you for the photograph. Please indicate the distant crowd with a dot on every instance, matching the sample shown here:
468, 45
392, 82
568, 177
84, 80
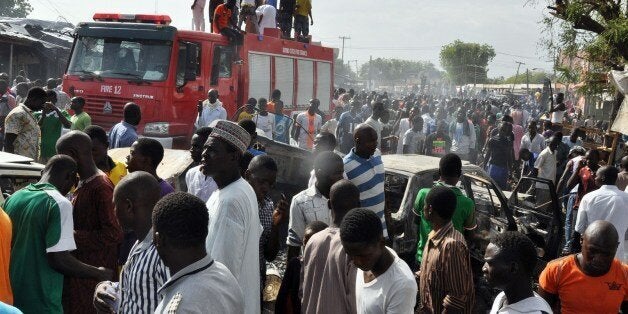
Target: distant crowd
98, 235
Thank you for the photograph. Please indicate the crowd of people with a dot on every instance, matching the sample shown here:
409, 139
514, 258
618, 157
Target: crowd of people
227, 17
110, 236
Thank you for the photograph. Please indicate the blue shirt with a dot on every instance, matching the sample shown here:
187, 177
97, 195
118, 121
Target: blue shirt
347, 123
255, 152
122, 135
282, 126
7, 309
368, 176
272, 2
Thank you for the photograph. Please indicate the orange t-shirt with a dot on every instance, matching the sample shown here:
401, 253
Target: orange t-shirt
579, 293
6, 295
222, 15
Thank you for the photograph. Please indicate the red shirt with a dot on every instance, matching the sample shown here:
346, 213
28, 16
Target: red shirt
222, 16
97, 234
587, 184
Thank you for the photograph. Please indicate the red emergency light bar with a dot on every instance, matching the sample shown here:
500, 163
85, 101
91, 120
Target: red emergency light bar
135, 18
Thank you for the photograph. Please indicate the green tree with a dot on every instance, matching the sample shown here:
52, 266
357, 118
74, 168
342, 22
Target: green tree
534, 77
593, 31
466, 62
343, 69
15, 8
398, 71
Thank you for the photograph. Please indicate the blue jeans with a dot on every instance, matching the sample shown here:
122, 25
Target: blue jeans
500, 175
569, 220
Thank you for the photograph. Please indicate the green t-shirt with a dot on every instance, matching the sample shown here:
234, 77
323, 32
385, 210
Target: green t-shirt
463, 215
50, 132
81, 121
42, 223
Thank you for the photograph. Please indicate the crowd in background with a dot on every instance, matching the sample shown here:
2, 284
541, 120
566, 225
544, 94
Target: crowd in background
103, 235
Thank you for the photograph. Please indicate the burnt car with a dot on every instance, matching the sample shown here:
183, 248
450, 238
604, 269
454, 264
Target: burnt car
16, 172
495, 211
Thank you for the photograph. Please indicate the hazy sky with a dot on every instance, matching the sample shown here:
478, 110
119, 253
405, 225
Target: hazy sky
408, 29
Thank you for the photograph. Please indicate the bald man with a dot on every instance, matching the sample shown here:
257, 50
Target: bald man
97, 231
144, 272
622, 177
592, 281
364, 168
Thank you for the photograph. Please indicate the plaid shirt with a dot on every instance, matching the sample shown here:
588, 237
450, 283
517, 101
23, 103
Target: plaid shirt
266, 208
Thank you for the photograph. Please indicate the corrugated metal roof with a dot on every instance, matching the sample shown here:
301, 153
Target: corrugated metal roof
50, 34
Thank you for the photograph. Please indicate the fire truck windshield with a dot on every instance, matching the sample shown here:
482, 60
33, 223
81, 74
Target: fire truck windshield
136, 59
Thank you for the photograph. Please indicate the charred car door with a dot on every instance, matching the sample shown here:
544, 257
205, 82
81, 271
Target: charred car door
492, 213
538, 215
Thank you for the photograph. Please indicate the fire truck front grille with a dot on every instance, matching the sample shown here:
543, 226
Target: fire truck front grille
105, 111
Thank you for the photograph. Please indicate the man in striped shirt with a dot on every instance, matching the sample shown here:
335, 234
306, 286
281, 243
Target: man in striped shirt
446, 281
364, 168
144, 272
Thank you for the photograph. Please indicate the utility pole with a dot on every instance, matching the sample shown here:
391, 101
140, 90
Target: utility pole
343, 47
527, 81
516, 75
370, 73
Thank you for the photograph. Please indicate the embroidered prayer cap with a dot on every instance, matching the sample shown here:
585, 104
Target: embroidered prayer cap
232, 134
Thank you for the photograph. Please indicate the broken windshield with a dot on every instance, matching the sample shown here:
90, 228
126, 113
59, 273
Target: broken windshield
121, 58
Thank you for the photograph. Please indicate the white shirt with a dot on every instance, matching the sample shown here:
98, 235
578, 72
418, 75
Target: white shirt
304, 133
610, 204
233, 237
534, 304
205, 286
200, 185
557, 116
392, 292
330, 126
546, 164
377, 126
462, 144
269, 20
307, 206
404, 125
535, 145
412, 139
210, 113
266, 123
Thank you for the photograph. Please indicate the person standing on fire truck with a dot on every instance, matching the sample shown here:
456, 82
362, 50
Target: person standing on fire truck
198, 18
211, 109
222, 23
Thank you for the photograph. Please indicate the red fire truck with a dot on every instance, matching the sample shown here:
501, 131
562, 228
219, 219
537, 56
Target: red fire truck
122, 58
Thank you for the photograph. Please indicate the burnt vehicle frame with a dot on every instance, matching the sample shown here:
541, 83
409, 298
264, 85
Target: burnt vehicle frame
496, 211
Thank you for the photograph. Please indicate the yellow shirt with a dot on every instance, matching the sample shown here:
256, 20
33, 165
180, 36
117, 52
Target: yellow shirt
245, 116
117, 172
303, 7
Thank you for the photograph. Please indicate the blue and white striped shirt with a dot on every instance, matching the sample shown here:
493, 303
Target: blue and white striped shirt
142, 276
368, 176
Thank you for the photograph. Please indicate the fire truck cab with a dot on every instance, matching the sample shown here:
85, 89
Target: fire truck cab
121, 58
